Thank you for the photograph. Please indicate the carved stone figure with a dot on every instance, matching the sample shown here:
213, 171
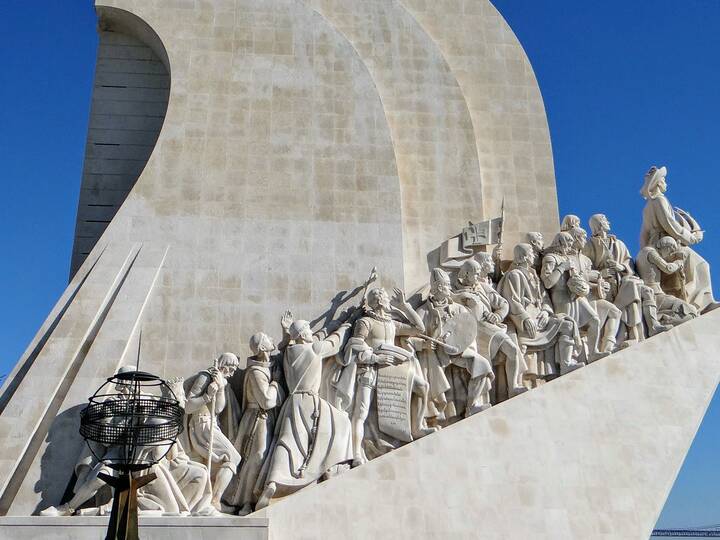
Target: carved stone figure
260, 399
311, 436
460, 380
660, 219
569, 222
537, 242
490, 310
609, 314
87, 469
373, 348
182, 485
568, 291
208, 396
550, 338
611, 258
654, 262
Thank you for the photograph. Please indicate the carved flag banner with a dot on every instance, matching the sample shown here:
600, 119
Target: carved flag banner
483, 233
454, 251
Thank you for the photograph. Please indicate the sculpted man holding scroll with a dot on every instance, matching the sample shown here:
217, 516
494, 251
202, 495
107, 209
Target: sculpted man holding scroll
379, 364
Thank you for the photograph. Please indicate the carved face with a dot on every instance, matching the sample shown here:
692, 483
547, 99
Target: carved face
529, 258
378, 298
228, 370
260, 343
599, 223
579, 239
305, 333
123, 389
535, 239
666, 246
563, 243
265, 344
487, 266
441, 289
524, 255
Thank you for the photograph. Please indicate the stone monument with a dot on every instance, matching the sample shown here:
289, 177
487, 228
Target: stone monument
247, 158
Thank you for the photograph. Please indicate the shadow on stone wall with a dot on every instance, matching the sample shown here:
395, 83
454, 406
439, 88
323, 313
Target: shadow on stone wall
64, 446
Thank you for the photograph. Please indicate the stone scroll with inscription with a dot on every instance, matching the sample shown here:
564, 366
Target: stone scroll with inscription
393, 394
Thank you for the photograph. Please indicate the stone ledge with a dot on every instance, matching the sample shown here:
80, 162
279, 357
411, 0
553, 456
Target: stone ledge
145, 521
155, 527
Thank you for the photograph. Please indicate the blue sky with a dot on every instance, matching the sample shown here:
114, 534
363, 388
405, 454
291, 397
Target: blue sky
626, 84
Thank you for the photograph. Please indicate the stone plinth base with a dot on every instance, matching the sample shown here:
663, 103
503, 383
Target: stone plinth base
155, 528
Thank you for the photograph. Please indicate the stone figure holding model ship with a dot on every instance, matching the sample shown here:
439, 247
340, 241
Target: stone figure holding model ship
661, 219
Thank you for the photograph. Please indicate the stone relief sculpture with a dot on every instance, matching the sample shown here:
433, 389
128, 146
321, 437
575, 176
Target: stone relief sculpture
87, 468
490, 310
312, 437
459, 376
390, 371
182, 486
570, 221
654, 262
208, 396
550, 340
612, 259
608, 313
537, 242
661, 219
568, 291
374, 358
261, 398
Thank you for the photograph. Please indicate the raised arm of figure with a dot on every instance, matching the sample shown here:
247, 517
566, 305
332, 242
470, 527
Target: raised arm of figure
404, 306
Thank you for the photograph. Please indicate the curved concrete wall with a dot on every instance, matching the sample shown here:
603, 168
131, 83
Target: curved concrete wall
130, 97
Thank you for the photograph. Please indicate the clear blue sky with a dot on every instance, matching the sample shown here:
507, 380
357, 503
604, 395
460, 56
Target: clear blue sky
626, 84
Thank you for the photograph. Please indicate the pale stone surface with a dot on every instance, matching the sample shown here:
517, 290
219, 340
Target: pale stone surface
303, 143
591, 455
157, 528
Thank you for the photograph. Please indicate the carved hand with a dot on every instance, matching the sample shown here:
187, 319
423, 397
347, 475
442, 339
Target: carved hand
399, 297
530, 328
543, 318
287, 319
493, 318
384, 360
213, 388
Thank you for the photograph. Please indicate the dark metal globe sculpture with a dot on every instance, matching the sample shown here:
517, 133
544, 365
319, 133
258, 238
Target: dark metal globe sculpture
131, 423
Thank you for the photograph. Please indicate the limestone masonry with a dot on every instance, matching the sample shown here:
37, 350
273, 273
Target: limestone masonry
331, 227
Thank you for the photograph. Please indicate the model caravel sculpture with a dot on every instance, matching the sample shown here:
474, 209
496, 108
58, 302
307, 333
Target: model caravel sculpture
131, 422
